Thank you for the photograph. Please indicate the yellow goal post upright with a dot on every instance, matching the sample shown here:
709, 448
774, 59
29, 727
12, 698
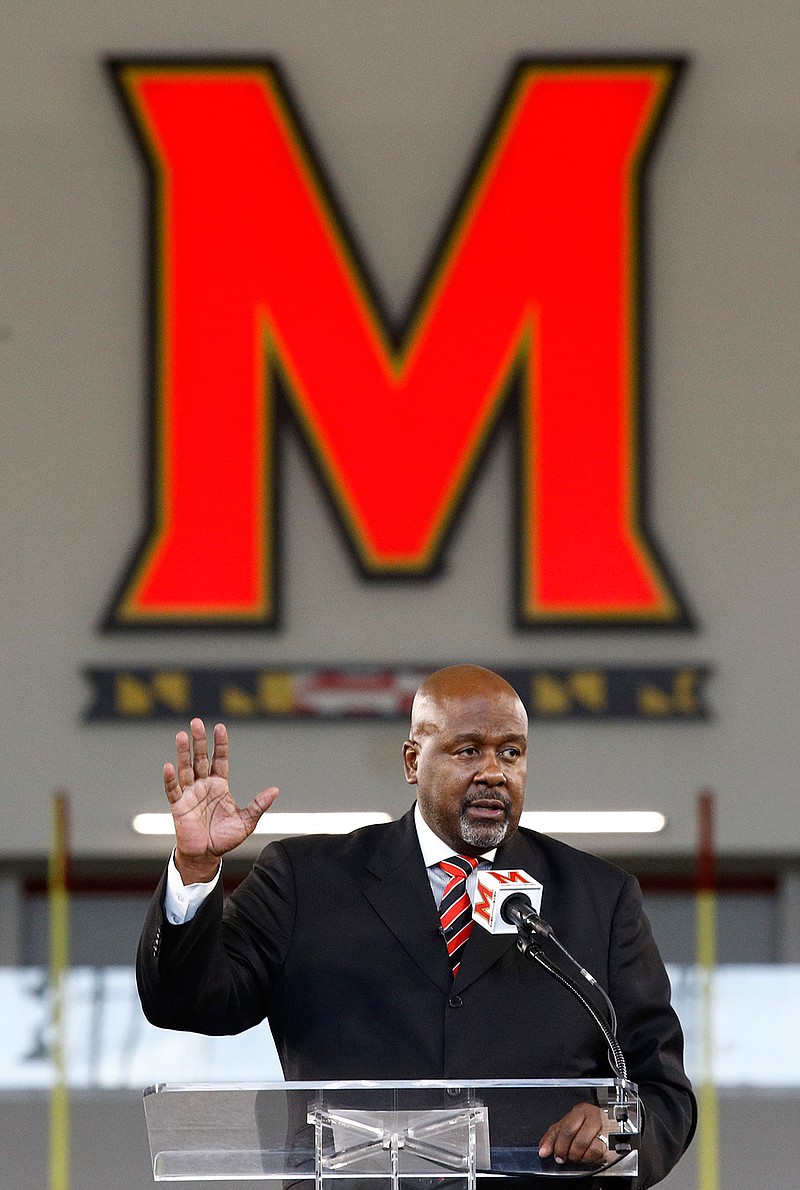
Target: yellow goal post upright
58, 903
708, 1121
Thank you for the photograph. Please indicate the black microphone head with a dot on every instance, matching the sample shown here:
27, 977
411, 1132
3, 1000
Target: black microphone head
520, 910
512, 906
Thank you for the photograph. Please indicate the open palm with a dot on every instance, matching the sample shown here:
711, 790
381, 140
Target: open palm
208, 822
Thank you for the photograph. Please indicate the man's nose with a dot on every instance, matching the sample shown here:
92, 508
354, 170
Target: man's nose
491, 771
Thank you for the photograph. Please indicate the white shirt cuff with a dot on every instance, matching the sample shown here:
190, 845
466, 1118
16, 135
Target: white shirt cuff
181, 901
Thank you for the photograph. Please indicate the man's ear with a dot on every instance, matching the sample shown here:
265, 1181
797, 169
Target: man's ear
410, 757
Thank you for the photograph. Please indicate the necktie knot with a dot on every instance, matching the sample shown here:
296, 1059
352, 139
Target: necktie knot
458, 866
455, 910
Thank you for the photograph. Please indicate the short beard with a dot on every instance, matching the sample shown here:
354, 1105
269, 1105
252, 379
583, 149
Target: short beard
488, 835
483, 837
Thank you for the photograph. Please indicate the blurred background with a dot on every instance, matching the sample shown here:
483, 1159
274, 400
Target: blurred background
395, 98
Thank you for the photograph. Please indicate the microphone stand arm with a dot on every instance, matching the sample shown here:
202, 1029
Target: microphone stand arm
531, 949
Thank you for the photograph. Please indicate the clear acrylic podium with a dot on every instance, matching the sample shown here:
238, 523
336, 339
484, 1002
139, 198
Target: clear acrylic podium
422, 1135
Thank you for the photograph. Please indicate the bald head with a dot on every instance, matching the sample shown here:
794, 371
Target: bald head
458, 683
467, 756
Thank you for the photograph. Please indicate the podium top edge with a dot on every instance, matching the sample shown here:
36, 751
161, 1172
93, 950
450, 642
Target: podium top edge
400, 1084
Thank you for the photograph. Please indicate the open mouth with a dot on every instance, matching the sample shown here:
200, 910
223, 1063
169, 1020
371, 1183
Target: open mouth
487, 809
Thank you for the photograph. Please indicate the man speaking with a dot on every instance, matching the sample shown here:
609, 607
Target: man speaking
359, 948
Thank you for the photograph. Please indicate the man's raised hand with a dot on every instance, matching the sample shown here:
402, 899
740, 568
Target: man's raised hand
208, 822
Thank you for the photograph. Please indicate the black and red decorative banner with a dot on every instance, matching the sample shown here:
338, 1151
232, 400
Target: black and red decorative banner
586, 693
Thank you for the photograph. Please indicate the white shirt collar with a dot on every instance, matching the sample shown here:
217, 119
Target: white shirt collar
434, 849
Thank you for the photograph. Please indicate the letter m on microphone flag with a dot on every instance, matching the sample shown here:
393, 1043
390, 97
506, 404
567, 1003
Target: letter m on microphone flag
494, 887
482, 907
260, 301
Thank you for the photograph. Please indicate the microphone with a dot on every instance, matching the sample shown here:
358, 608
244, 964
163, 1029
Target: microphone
495, 889
518, 911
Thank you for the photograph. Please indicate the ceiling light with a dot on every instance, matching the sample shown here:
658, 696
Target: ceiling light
278, 824
594, 822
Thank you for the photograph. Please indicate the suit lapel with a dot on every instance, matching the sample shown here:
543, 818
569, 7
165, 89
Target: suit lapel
484, 949
397, 886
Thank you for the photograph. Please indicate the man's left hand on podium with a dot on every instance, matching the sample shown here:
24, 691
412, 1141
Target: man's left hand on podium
577, 1136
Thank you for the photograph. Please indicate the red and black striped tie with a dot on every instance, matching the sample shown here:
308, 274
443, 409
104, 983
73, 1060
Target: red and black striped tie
455, 910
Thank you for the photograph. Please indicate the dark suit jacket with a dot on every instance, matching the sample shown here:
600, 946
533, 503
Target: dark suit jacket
336, 940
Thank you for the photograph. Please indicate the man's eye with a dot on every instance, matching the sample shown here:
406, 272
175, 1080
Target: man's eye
470, 751
512, 753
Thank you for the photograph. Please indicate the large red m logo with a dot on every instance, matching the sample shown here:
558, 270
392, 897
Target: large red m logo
257, 288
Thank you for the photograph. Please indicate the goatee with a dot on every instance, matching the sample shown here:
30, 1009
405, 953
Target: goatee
485, 834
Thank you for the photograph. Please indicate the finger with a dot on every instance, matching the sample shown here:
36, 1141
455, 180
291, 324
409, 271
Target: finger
259, 805
577, 1139
171, 786
593, 1153
184, 767
574, 1137
547, 1142
219, 763
584, 1146
200, 748
599, 1150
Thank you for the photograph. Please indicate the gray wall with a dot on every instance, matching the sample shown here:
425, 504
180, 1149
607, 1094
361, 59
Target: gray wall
396, 95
